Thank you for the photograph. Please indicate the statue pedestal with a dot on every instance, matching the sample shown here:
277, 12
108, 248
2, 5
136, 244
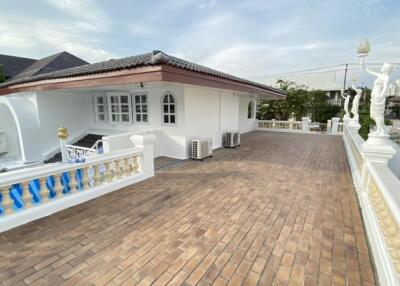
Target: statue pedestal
354, 125
379, 148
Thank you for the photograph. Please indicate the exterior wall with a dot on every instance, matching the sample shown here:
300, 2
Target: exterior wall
8, 124
246, 124
171, 139
202, 106
56, 109
200, 112
23, 108
210, 113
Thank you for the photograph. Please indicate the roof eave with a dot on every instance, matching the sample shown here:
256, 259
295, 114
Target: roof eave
144, 74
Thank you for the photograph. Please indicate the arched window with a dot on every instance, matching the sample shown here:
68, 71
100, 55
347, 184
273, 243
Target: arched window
250, 110
168, 109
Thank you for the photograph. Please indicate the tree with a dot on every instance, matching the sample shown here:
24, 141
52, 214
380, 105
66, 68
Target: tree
2, 74
299, 102
321, 110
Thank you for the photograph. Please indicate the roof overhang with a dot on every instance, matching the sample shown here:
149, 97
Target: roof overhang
143, 74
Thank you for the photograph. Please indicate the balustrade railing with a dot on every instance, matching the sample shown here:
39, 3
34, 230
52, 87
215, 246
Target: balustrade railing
23, 190
280, 125
378, 192
305, 126
79, 153
340, 127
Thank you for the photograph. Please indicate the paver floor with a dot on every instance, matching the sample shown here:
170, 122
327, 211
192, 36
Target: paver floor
279, 210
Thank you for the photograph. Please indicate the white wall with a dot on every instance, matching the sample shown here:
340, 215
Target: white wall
210, 113
246, 124
171, 139
229, 112
56, 109
202, 107
8, 125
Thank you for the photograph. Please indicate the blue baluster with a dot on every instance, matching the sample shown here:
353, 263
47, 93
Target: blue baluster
34, 189
16, 193
50, 184
65, 180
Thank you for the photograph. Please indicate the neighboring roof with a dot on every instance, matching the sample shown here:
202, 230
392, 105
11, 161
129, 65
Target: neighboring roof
155, 58
13, 65
56, 62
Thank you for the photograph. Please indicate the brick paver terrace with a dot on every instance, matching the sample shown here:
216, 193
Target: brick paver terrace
279, 210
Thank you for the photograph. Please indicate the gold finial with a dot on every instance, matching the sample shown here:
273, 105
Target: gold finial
62, 133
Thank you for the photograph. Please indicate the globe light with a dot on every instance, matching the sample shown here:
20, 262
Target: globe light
363, 48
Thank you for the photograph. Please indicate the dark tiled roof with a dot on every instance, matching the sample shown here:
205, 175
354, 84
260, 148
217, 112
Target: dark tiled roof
14, 65
149, 59
56, 62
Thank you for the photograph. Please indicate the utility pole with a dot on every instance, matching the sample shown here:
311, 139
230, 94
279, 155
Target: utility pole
344, 82
345, 78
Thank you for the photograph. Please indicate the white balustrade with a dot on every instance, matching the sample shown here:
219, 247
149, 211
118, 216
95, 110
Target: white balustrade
378, 190
79, 153
280, 125
29, 194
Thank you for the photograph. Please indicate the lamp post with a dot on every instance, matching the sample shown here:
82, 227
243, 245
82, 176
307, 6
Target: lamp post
62, 134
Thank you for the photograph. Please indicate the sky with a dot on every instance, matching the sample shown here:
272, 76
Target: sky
245, 38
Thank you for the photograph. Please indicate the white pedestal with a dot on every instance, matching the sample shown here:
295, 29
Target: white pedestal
354, 125
378, 148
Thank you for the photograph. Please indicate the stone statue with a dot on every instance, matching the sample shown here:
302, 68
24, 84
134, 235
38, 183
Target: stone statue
378, 95
346, 106
356, 102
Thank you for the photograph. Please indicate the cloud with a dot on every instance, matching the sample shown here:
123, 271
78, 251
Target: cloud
49, 37
85, 11
207, 4
141, 30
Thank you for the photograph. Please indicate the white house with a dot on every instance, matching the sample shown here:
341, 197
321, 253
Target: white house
174, 99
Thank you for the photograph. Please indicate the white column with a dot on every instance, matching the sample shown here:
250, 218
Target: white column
305, 124
335, 125
329, 126
146, 141
63, 147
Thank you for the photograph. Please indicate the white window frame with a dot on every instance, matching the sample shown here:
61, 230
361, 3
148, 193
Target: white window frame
110, 104
134, 104
168, 113
97, 113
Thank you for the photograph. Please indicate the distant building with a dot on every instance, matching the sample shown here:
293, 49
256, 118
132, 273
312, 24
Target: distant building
18, 67
325, 81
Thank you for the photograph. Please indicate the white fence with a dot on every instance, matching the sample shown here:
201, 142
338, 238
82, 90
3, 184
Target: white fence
305, 126
78, 153
279, 125
32, 193
378, 191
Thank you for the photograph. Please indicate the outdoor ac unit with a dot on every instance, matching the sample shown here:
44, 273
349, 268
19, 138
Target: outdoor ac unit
3, 142
201, 148
232, 139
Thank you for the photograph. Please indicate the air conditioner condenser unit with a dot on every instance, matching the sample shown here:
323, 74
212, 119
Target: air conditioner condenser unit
232, 139
201, 148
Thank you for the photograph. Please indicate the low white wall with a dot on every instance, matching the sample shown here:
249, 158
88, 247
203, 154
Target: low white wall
377, 189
